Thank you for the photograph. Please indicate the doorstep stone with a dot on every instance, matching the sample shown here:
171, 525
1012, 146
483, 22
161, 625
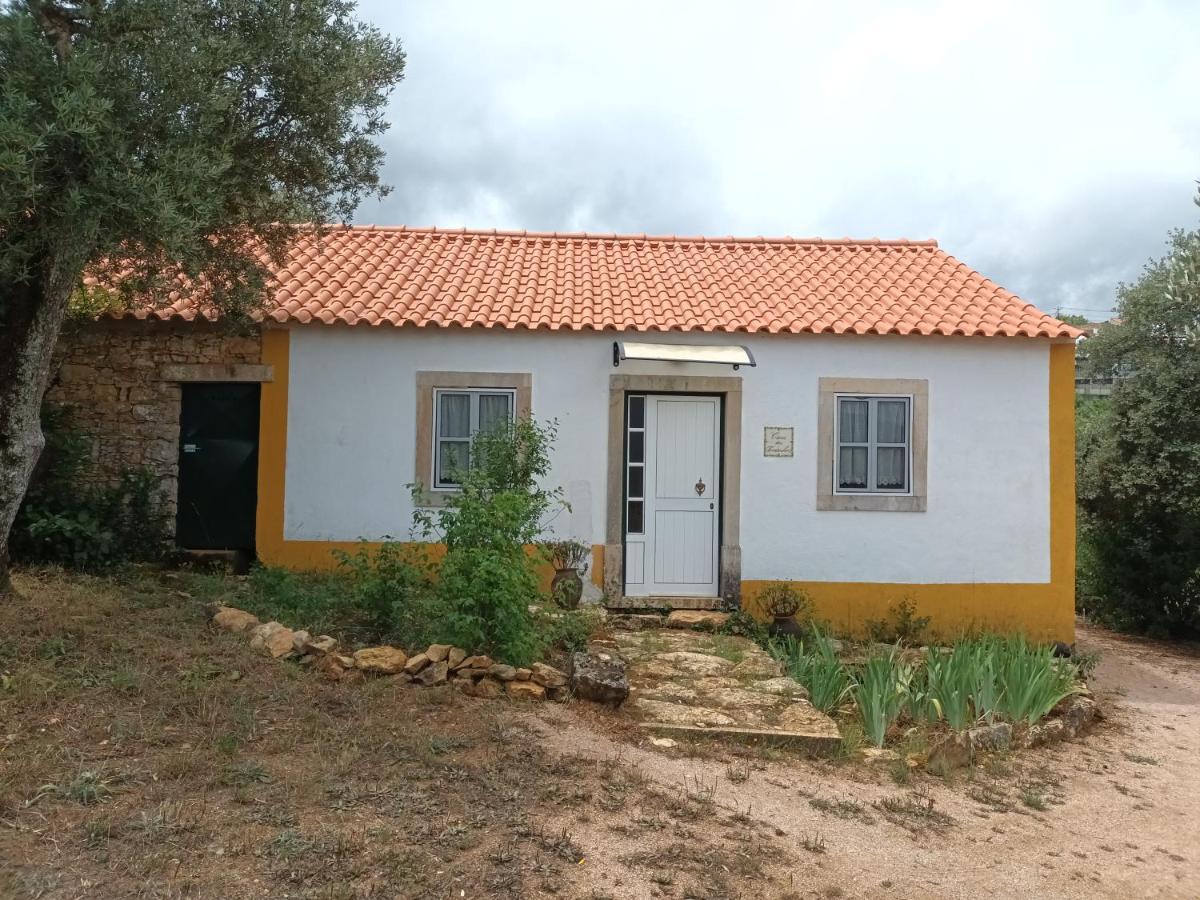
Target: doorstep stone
697, 618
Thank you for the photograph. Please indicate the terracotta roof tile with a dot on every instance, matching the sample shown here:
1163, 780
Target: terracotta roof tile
439, 278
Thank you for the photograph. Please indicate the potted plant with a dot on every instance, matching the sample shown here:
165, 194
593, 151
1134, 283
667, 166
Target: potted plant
784, 603
569, 559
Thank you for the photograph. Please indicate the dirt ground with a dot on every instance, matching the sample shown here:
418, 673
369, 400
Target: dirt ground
144, 755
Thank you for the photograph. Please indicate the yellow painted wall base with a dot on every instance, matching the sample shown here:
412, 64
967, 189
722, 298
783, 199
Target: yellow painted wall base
1043, 612
319, 556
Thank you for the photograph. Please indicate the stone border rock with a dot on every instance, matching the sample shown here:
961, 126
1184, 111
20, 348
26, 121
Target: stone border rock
473, 675
1072, 717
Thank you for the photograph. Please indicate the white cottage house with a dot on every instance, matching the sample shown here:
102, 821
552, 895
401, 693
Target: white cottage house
871, 420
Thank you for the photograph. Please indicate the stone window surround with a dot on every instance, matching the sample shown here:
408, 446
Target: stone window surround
427, 384
828, 389
730, 391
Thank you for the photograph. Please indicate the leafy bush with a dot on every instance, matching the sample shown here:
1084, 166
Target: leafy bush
741, 624
1139, 454
819, 670
567, 630
393, 588
903, 625
66, 520
320, 602
487, 581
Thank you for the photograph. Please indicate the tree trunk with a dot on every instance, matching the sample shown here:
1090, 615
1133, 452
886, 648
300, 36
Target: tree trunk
31, 315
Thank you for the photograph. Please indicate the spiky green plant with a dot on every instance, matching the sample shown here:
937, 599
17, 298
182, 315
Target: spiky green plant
817, 667
1033, 680
880, 692
948, 682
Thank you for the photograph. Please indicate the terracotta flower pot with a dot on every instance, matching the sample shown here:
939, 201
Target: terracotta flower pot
566, 588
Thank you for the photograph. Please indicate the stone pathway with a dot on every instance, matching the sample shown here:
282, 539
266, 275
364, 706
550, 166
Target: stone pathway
688, 682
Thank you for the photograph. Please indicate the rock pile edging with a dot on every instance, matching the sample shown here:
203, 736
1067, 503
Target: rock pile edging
474, 675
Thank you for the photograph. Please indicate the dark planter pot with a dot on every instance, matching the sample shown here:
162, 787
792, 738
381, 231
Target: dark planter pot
566, 588
785, 626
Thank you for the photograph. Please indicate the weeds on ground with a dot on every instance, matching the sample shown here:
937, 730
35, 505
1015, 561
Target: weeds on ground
1033, 799
917, 810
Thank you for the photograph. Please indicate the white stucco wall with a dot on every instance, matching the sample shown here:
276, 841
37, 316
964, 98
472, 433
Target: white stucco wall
352, 413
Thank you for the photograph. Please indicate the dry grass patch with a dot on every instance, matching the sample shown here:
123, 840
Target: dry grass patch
144, 754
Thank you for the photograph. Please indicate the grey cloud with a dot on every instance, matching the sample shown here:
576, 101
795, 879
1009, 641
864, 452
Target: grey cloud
770, 119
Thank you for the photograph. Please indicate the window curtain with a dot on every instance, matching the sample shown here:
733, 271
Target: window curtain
890, 470
494, 410
893, 421
853, 426
852, 467
454, 417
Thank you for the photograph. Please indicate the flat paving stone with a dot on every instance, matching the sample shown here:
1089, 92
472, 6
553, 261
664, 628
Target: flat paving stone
692, 683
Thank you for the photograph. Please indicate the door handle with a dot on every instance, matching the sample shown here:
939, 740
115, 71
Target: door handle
191, 448
710, 506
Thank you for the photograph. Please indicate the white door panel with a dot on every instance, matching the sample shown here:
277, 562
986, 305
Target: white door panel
673, 496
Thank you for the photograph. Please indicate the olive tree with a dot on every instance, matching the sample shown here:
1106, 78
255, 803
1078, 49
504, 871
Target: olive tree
156, 143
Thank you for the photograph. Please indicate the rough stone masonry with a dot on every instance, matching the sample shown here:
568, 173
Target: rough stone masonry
122, 381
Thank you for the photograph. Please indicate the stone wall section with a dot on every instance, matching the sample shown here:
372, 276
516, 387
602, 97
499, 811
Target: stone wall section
112, 374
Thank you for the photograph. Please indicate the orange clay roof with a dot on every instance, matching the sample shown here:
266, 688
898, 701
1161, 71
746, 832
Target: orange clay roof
497, 279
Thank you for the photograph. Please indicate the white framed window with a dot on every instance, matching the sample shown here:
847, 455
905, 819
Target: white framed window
458, 415
873, 444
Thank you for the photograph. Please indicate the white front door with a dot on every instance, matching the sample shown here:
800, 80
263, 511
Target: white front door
673, 491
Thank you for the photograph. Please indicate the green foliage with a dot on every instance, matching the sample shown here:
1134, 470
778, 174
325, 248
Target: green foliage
319, 602
782, 600
157, 137
1072, 319
487, 580
393, 588
741, 624
816, 667
68, 520
880, 691
565, 629
980, 678
903, 625
481, 596
1032, 681
1139, 455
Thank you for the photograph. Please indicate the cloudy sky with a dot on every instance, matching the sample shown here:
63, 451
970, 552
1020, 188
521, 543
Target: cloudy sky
1049, 145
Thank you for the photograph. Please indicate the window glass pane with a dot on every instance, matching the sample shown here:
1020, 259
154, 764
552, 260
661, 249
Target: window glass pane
637, 481
494, 409
853, 425
637, 412
852, 467
634, 524
893, 421
637, 446
891, 471
453, 457
454, 415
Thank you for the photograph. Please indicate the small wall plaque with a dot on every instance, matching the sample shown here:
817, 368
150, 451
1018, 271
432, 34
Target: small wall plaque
778, 441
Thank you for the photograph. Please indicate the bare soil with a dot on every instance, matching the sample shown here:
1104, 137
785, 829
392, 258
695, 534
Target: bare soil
142, 754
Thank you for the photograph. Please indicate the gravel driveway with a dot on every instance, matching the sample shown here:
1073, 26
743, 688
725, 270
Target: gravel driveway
1116, 814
